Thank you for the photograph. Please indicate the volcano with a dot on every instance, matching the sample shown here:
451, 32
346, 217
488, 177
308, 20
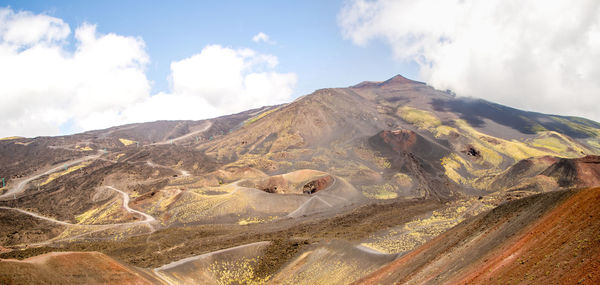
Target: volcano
381, 182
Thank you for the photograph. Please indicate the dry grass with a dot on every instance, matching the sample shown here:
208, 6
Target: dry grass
425, 120
237, 272
65, 172
11, 138
126, 142
559, 144
418, 231
380, 191
260, 116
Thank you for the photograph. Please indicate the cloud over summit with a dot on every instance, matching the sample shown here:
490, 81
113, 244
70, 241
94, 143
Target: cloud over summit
537, 55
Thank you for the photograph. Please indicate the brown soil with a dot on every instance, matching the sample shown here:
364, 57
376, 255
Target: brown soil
18, 228
72, 194
192, 240
337, 131
399, 140
317, 185
274, 184
277, 253
549, 238
19, 160
578, 172
561, 247
69, 268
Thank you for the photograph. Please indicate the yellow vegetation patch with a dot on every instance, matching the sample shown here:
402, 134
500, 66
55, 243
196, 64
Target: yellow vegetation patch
578, 127
126, 142
109, 212
420, 230
193, 206
323, 266
493, 152
424, 120
513, 148
443, 131
255, 161
260, 116
380, 192
452, 163
595, 143
487, 153
11, 138
85, 148
236, 272
419, 118
69, 170
255, 220
369, 155
403, 180
559, 144
286, 140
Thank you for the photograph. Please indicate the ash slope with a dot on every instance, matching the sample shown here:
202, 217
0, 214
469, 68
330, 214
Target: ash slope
548, 238
312, 177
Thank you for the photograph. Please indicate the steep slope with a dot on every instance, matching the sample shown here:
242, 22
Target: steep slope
580, 172
549, 173
548, 238
366, 172
71, 268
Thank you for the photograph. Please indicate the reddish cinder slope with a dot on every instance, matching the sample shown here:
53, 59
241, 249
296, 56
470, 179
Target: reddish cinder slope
577, 172
70, 268
551, 238
562, 247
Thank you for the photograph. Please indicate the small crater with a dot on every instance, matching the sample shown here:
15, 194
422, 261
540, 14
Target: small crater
471, 151
317, 185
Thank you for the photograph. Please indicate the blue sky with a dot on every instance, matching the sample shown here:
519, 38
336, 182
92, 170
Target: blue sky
72, 66
307, 37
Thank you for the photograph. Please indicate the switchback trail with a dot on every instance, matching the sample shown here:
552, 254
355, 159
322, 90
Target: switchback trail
206, 127
20, 187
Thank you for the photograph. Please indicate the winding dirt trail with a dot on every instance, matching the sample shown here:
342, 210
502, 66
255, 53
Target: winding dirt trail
38, 216
372, 250
21, 185
183, 172
208, 254
205, 128
147, 218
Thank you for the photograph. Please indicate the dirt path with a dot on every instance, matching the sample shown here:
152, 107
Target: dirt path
196, 257
206, 127
38, 216
371, 250
183, 172
21, 185
163, 277
147, 218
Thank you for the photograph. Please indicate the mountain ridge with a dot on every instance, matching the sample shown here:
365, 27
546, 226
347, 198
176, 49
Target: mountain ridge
381, 167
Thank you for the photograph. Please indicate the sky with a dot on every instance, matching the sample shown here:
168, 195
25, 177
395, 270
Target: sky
72, 66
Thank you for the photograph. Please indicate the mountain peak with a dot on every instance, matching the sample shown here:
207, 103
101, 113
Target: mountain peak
399, 79
396, 80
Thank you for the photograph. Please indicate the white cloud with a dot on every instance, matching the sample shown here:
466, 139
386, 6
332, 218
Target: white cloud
262, 37
214, 82
102, 82
25, 28
45, 86
232, 80
539, 55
